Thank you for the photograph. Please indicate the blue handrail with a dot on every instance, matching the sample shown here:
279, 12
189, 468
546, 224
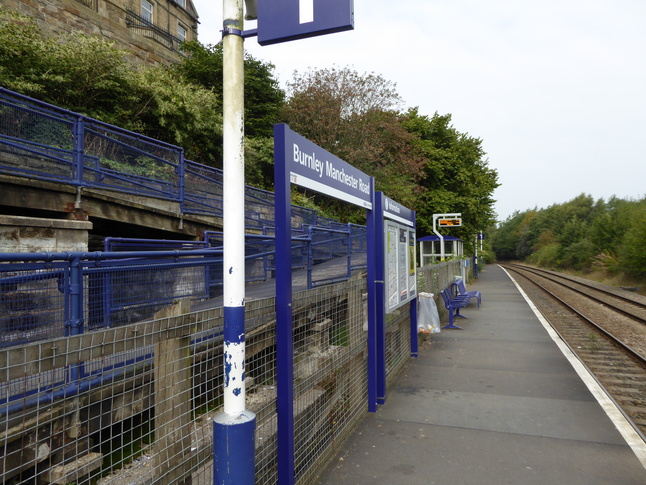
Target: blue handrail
45, 142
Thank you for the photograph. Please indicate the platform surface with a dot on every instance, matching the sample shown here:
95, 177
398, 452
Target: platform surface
495, 403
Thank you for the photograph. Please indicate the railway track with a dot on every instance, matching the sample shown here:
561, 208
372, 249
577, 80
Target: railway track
605, 327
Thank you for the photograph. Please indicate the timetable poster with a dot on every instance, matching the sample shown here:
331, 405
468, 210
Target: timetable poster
412, 272
402, 267
392, 290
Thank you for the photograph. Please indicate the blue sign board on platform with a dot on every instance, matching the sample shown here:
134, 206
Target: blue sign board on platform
397, 212
285, 20
314, 168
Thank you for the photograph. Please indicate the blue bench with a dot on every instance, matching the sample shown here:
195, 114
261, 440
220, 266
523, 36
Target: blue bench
462, 291
453, 305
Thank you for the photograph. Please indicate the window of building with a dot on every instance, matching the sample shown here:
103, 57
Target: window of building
181, 33
147, 11
181, 3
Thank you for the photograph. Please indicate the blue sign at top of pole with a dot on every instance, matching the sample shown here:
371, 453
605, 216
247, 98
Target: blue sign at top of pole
315, 168
285, 20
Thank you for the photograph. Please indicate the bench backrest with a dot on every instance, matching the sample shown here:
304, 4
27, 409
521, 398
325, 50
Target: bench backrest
460, 285
446, 296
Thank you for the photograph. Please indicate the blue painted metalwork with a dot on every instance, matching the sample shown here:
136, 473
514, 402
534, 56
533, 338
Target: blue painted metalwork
414, 343
233, 449
49, 143
280, 20
284, 331
373, 220
380, 314
31, 309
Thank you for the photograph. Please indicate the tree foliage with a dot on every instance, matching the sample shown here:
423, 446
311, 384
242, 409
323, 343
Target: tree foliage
582, 234
79, 72
202, 66
180, 104
355, 117
456, 175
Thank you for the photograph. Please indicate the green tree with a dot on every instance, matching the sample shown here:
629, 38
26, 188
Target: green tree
168, 108
631, 252
456, 177
79, 72
581, 234
355, 117
504, 237
264, 98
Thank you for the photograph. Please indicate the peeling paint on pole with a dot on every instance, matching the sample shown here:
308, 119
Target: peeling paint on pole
233, 442
234, 375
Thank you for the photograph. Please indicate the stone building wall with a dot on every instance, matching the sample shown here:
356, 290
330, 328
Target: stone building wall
36, 235
118, 21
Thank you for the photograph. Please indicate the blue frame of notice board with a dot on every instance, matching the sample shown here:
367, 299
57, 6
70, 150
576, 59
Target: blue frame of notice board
384, 211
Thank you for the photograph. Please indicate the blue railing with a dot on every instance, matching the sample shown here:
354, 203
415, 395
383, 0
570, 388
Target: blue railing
52, 295
41, 141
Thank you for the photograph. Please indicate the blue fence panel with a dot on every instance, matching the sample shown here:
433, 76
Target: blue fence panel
115, 244
129, 162
36, 140
42, 141
202, 189
359, 246
330, 255
32, 302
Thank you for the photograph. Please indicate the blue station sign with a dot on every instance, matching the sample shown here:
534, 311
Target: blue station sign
285, 20
315, 168
397, 212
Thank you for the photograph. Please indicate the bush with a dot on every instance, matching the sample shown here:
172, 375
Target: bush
548, 256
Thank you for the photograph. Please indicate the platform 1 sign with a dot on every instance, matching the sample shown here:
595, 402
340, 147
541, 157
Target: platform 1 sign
285, 20
314, 168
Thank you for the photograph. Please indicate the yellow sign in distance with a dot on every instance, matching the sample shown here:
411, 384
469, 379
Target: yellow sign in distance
449, 222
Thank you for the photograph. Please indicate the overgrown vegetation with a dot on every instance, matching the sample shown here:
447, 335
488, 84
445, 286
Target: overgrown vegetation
583, 235
421, 161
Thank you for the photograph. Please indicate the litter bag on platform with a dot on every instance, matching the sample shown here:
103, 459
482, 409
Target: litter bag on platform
428, 319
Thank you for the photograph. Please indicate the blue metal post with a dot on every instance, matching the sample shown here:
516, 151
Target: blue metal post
75, 324
78, 150
181, 174
380, 322
373, 288
284, 330
414, 344
239, 467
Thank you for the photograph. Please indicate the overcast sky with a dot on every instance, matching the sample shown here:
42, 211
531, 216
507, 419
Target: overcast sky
555, 89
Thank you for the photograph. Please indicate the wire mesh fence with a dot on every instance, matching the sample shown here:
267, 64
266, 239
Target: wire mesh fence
114, 375
134, 403
434, 278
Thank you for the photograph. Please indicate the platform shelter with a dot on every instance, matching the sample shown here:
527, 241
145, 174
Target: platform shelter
430, 250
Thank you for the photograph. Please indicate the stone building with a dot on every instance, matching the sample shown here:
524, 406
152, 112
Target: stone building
151, 29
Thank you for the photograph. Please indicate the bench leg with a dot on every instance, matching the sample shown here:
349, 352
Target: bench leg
457, 314
451, 325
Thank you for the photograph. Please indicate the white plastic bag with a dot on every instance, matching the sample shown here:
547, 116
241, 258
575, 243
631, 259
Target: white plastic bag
428, 319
